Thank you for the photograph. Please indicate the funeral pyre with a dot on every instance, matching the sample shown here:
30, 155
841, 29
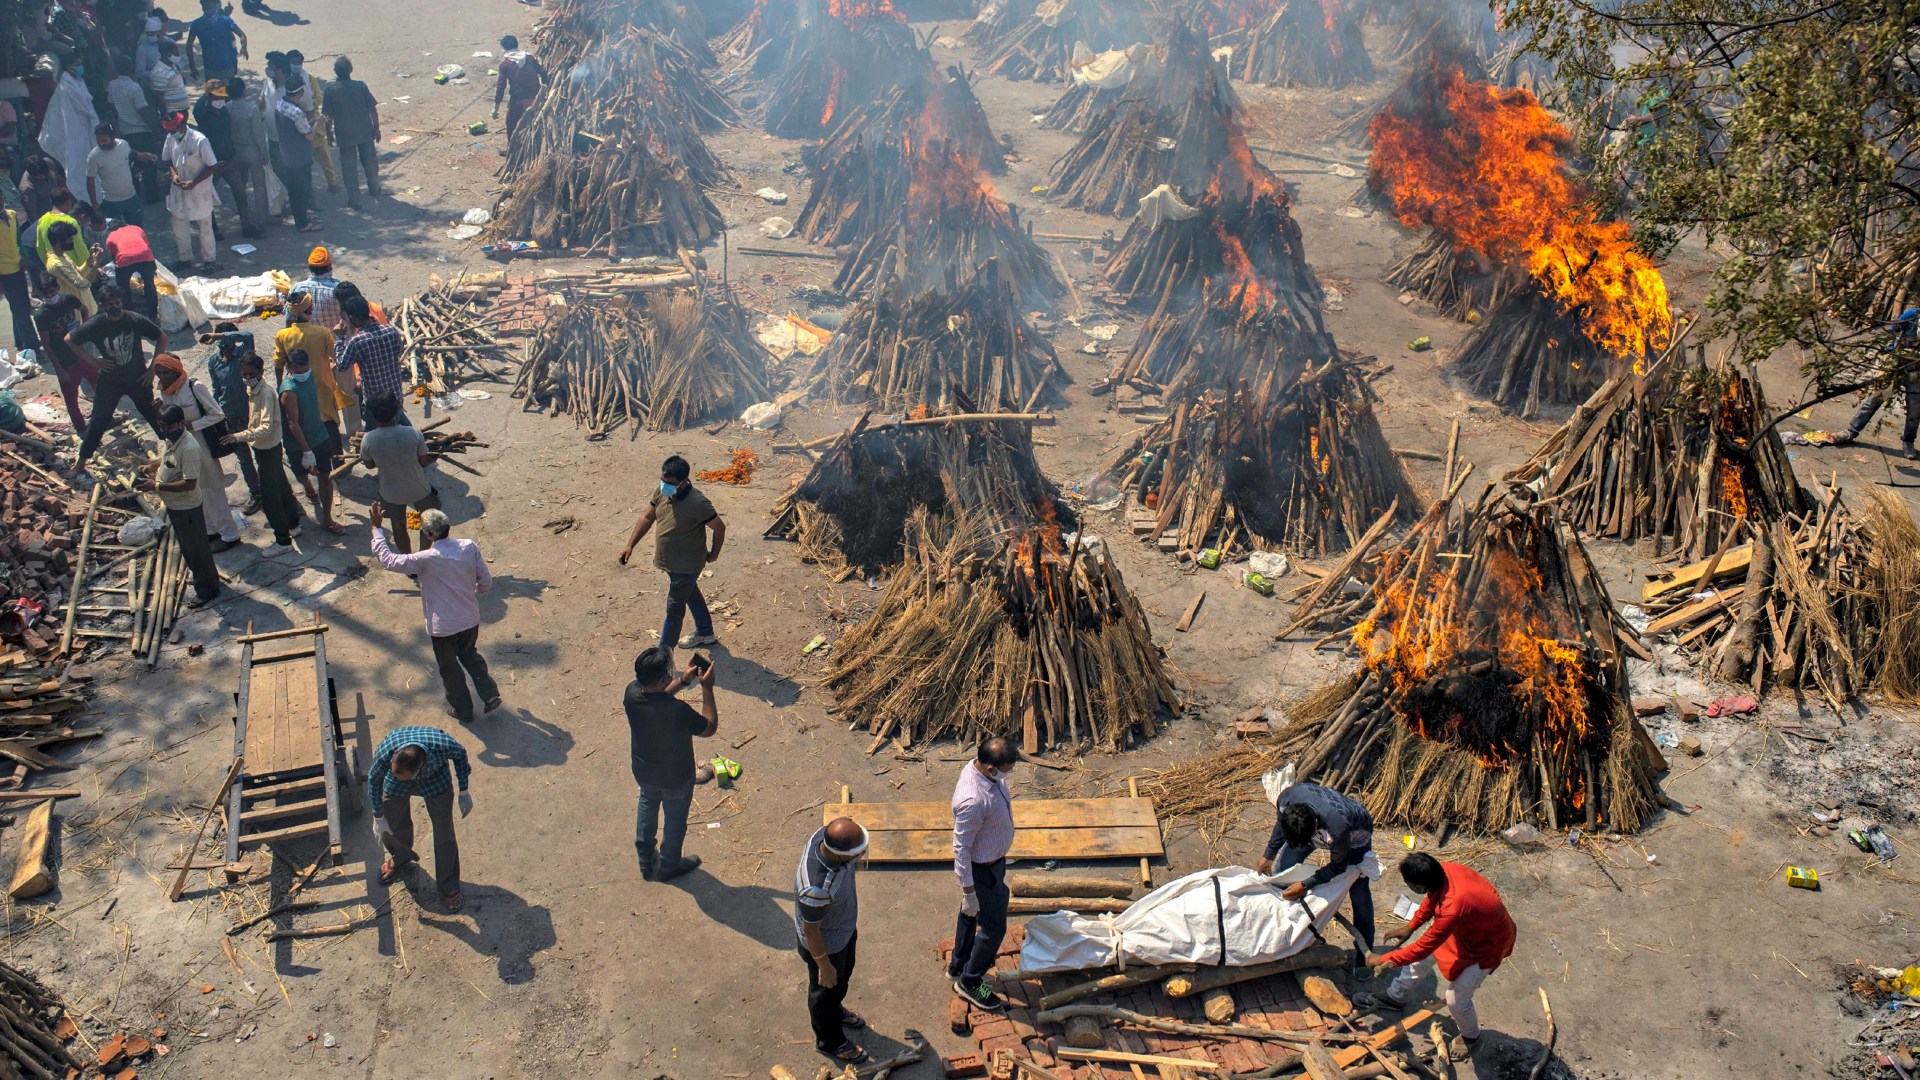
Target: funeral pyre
818, 60
1041, 46
1287, 42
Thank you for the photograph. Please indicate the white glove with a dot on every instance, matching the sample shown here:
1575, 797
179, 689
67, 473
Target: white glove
380, 827
969, 903
466, 804
306, 460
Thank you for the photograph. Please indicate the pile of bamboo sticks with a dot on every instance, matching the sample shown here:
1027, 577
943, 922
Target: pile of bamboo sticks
621, 197
1298, 465
663, 361
1494, 686
979, 635
29, 1017
448, 340
1526, 355
577, 28
840, 64
1287, 42
1040, 46
1461, 282
1165, 264
1685, 457
849, 514
765, 41
904, 345
1240, 333
1174, 128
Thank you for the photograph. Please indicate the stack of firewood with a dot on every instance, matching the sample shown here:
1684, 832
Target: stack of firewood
1164, 264
578, 29
1040, 46
1526, 355
905, 345
1298, 465
850, 513
1460, 281
842, 61
36, 1029
1173, 128
1026, 636
1287, 42
997, 18
1494, 687
1443, 28
663, 361
449, 339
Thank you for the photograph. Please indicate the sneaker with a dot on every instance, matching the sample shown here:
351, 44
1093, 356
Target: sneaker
198, 601
1910, 453
694, 641
221, 543
1844, 438
980, 995
490, 704
1377, 1002
274, 551
667, 873
251, 506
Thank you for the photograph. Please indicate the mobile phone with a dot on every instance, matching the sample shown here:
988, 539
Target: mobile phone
700, 663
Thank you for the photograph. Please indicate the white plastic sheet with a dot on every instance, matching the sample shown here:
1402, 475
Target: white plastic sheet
1182, 922
1106, 70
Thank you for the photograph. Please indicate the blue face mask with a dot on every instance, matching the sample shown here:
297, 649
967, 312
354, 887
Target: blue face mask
666, 488
301, 376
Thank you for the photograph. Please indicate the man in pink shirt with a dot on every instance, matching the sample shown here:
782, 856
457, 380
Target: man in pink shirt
452, 575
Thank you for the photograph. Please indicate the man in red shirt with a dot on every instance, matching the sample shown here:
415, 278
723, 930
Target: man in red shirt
520, 78
133, 267
1470, 935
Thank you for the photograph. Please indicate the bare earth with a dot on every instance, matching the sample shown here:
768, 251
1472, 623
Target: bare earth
565, 964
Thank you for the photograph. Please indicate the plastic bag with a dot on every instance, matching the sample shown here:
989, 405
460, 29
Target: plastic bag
139, 531
776, 228
1270, 564
1275, 781
763, 416
476, 216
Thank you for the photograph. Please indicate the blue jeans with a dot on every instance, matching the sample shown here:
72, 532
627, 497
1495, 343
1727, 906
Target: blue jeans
674, 802
127, 210
683, 592
1361, 895
18, 302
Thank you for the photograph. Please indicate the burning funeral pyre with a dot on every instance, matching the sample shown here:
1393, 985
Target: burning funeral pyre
577, 28
850, 514
1493, 688
1485, 168
1101, 81
1171, 128
1287, 42
905, 345
836, 56
1298, 465
1447, 28
907, 175
663, 361
1023, 634
611, 156
1040, 47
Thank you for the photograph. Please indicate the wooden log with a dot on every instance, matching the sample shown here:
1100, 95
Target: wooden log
1326, 997
1380, 1040
1320, 1064
1083, 1032
33, 876
1218, 1004
1118, 1015
1047, 905
1120, 981
218, 805
1042, 884
1204, 979
1068, 1053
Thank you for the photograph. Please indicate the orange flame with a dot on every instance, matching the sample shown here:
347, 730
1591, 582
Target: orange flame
1488, 171
944, 173
855, 12
833, 94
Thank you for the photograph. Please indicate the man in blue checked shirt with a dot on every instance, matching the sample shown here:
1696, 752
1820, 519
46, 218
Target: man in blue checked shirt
412, 761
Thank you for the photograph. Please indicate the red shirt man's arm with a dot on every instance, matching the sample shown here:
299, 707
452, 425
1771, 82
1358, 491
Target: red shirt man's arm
1441, 930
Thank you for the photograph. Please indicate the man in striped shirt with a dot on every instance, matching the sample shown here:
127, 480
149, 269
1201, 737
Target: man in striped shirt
826, 912
423, 761
982, 836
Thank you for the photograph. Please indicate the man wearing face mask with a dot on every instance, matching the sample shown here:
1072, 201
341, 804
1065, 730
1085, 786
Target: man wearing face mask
119, 336
175, 477
191, 165
1471, 934
982, 836
684, 516
826, 916
211, 116
262, 439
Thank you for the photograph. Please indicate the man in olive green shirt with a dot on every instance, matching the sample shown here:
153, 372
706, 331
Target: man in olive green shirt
681, 548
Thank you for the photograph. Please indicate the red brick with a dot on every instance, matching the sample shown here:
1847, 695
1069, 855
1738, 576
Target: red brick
1156, 1042
988, 1025
1239, 1056
1001, 1042
945, 948
1022, 993
1130, 1041
963, 1065
1017, 936
1023, 1023
1040, 1053
1275, 1052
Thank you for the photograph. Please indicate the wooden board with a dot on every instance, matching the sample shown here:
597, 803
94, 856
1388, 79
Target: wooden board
34, 874
1043, 829
283, 717
1686, 577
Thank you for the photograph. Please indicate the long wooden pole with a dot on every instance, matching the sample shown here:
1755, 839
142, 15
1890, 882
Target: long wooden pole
79, 572
219, 804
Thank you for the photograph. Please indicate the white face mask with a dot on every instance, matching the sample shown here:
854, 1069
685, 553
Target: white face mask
218, 104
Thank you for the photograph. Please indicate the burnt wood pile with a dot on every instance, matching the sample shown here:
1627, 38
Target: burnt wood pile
1287, 42
859, 50
1040, 46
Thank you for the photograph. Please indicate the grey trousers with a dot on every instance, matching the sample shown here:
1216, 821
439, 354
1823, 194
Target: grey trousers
446, 847
357, 158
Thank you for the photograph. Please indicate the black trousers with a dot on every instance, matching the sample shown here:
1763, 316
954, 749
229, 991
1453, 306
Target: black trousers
190, 532
114, 384
458, 656
446, 844
825, 1007
276, 494
977, 938
146, 296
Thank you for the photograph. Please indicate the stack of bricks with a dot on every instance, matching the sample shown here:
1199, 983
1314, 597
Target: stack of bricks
1275, 1002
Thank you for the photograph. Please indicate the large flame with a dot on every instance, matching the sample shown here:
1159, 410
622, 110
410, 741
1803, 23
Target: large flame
1487, 169
944, 173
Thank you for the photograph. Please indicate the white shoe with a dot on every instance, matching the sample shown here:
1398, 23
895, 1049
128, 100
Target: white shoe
274, 551
694, 641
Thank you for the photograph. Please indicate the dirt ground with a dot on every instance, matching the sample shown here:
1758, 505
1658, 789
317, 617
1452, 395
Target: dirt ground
1694, 958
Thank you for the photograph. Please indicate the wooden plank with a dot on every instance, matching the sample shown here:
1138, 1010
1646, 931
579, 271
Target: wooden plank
242, 707
1683, 615
1186, 621
281, 790
291, 832
1097, 843
1735, 561
1027, 814
259, 815
34, 874
329, 731
273, 635
1385, 1037
1068, 1053
1319, 1063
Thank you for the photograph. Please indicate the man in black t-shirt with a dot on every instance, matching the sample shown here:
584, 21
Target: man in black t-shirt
663, 728
118, 335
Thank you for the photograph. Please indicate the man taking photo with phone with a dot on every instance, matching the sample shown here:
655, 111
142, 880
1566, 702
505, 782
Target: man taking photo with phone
663, 729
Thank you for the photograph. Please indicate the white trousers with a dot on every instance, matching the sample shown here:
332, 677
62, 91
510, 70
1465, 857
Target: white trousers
202, 226
213, 491
1459, 993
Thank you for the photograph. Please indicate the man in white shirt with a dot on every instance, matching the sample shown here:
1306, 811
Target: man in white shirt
452, 575
135, 121
175, 477
191, 166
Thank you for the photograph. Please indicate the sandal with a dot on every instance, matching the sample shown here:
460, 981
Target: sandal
311, 226
454, 900
850, 1053
389, 873
851, 1019
336, 528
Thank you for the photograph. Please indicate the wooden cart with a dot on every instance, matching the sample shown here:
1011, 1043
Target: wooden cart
294, 770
